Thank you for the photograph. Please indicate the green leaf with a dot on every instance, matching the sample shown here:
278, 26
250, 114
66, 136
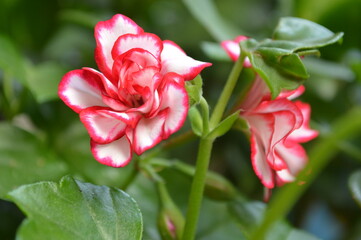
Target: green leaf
305, 33
354, 184
194, 90
215, 51
75, 210
43, 80
278, 60
275, 79
11, 62
195, 119
206, 13
224, 126
25, 159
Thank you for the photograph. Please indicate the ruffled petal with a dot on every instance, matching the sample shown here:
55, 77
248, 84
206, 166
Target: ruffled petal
175, 99
292, 94
147, 41
174, 59
259, 162
232, 48
304, 133
106, 33
80, 89
105, 125
107, 85
148, 132
293, 154
115, 154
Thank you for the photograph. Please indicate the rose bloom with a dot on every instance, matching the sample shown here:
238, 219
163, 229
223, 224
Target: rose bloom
277, 127
138, 97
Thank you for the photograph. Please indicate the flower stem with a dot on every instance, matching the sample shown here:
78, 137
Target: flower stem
227, 91
196, 195
205, 149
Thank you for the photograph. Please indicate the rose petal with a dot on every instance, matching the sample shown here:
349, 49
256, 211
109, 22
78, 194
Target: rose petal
104, 125
148, 132
292, 94
175, 98
293, 154
106, 33
232, 48
147, 41
80, 89
259, 162
108, 86
115, 154
175, 60
304, 133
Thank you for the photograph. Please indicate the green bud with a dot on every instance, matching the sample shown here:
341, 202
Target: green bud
170, 218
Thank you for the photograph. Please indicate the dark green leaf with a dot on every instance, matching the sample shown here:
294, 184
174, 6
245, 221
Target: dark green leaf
276, 80
25, 159
43, 80
75, 210
355, 186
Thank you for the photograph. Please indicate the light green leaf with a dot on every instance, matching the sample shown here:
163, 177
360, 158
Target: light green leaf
224, 126
305, 33
11, 62
215, 51
355, 186
75, 210
25, 159
43, 80
206, 13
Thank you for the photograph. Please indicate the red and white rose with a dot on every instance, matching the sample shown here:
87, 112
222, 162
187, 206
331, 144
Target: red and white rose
138, 98
277, 128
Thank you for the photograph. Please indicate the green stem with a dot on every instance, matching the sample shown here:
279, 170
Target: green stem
344, 128
205, 149
196, 195
227, 92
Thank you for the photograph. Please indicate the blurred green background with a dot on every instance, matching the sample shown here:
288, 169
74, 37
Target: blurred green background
41, 40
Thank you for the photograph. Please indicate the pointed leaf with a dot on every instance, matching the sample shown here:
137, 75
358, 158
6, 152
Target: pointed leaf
75, 210
25, 159
306, 33
224, 126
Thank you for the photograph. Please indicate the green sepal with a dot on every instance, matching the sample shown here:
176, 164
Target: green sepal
224, 126
194, 90
195, 118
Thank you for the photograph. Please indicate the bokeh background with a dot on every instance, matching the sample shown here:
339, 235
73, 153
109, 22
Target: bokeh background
40, 40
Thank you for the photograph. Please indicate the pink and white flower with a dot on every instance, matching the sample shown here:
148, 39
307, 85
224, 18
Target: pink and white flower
138, 98
277, 127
